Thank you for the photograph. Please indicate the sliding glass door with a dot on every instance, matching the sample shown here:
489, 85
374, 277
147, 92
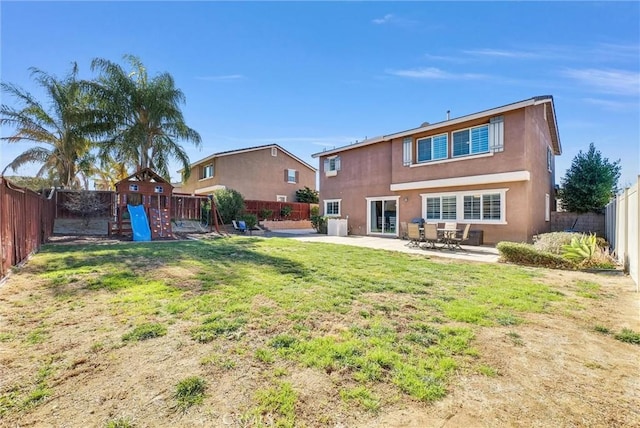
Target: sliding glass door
382, 216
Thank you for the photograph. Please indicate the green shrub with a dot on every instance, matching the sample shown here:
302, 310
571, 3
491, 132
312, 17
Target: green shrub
229, 204
554, 241
145, 331
628, 336
265, 213
585, 252
285, 211
319, 223
251, 220
190, 391
526, 254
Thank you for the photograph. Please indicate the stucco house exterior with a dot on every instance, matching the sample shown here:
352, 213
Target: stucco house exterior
264, 173
494, 169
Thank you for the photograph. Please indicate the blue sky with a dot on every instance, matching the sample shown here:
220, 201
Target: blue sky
310, 76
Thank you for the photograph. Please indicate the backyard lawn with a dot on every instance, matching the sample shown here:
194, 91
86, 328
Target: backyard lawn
274, 332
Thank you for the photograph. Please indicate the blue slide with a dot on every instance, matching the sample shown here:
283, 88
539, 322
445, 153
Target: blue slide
139, 223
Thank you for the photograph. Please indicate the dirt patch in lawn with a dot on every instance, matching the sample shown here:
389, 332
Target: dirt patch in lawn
559, 369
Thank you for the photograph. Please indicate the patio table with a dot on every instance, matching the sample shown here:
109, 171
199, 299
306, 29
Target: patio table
447, 235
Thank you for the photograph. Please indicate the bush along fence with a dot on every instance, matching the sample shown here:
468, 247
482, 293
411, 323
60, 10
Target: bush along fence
26, 222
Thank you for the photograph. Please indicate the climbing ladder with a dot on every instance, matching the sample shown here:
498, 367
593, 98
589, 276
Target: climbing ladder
160, 222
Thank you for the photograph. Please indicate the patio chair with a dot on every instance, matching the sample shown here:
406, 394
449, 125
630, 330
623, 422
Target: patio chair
431, 234
413, 233
459, 240
451, 225
239, 226
403, 230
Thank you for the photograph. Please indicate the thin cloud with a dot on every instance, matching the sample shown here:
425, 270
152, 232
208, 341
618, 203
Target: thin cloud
221, 78
611, 104
433, 73
609, 81
445, 58
384, 20
500, 53
391, 19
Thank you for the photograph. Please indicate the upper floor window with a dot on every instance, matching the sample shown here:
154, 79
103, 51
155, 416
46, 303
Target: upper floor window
159, 189
332, 165
206, 171
133, 187
471, 141
291, 175
549, 159
274, 151
432, 148
281, 198
332, 207
406, 151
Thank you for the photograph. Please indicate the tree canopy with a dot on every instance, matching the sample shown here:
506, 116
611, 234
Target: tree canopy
145, 117
126, 119
63, 130
590, 182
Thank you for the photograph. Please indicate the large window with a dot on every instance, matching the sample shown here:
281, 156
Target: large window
487, 206
332, 207
432, 148
471, 141
206, 171
441, 208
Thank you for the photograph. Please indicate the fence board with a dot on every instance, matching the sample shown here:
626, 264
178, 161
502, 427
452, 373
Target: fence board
299, 210
26, 222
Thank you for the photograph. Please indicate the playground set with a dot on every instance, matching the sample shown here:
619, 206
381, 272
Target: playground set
143, 207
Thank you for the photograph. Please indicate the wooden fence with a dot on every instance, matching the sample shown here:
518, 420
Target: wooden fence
299, 210
26, 222
63, 197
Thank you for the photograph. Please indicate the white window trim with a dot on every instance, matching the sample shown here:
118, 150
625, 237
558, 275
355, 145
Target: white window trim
281, 198
547, 207
339, 201
274, 151
549, 159
460, 205
456, 159
289, 178
212, 172
383, 198
453, 156
431, 137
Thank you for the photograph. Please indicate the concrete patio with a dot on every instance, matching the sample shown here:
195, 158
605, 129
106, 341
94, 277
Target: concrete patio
487, 254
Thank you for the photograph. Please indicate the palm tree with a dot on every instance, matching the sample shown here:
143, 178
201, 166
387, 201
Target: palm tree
64, 128
145, 115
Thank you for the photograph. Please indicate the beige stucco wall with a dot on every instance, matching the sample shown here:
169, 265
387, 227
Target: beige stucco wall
370, 170
256, 174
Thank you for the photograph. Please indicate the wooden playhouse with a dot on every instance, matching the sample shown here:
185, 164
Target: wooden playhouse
146, 188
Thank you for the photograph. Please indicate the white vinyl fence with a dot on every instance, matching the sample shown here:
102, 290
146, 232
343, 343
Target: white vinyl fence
623, 229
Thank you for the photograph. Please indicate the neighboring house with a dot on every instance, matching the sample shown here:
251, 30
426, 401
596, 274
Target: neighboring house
493, 169
265, 173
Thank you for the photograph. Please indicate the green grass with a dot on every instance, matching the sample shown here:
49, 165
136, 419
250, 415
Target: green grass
588, 289
628, 336
145, 332
279, 403
190, 391
120, 423
375, 320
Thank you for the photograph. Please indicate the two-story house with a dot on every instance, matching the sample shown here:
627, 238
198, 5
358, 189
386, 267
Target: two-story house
493, 169
263, 173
